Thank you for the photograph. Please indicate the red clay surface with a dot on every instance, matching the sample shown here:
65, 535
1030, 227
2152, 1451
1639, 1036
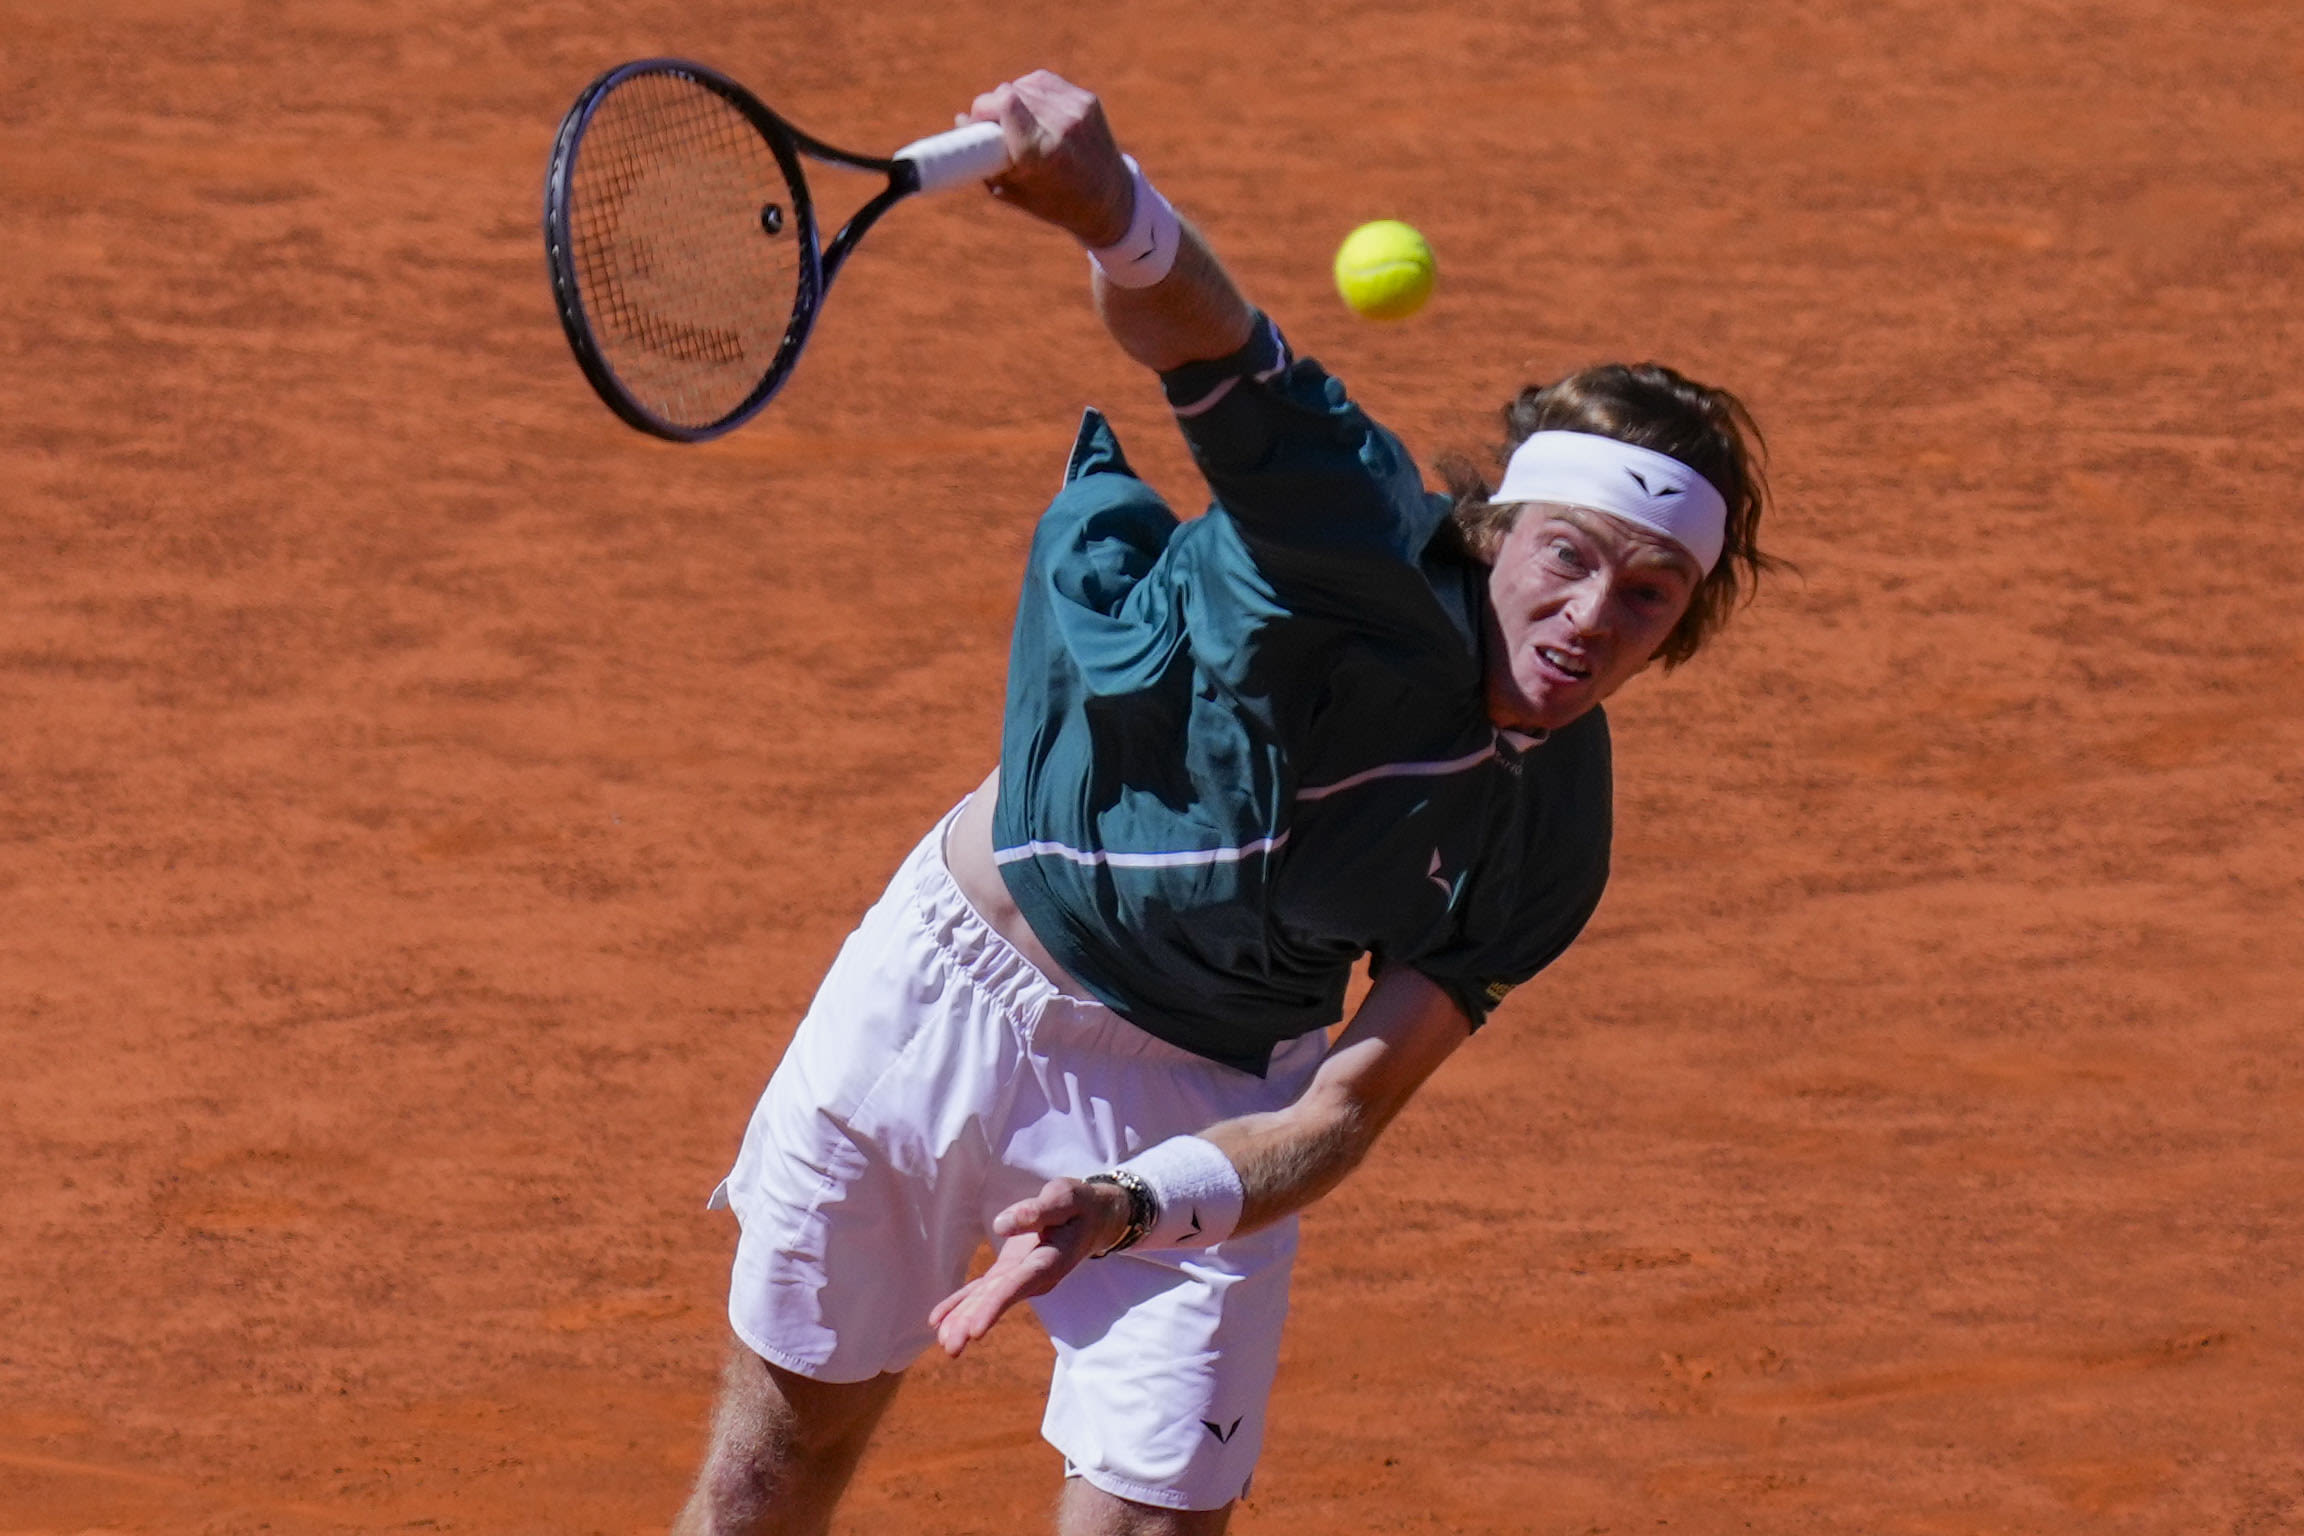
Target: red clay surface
427, 804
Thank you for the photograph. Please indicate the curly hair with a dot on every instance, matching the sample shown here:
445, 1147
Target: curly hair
1650, 406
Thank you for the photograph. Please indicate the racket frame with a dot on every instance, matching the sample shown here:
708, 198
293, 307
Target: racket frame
818, 264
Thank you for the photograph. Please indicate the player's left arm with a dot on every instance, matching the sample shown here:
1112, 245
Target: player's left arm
1290, 1157
1286, 1158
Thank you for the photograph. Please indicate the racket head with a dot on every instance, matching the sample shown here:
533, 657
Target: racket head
683, 247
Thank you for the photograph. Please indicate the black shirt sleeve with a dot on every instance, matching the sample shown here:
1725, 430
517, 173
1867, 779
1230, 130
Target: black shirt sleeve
1294, 459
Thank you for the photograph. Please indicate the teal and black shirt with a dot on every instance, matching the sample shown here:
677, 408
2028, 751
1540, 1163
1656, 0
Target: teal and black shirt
1242, 751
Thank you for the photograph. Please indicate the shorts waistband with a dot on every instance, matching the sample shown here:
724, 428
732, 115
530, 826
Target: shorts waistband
1001, 971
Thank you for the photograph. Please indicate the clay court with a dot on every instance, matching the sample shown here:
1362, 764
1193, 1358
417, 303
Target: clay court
428, 804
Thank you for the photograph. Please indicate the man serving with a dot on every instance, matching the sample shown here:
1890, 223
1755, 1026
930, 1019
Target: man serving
1338, 716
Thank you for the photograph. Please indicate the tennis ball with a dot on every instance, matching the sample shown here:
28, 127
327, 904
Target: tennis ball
1384, 270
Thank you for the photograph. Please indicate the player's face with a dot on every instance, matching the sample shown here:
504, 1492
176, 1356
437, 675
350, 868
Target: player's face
1579, 603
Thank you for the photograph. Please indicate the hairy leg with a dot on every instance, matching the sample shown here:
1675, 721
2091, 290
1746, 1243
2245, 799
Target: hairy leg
783, 1449
1087, 1510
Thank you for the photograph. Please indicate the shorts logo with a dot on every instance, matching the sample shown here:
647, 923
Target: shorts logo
1495, 991
1222, 1432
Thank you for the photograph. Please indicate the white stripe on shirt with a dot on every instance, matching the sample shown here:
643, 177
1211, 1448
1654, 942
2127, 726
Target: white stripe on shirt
1185, 858
1207, 402
1179, 859
1425, 770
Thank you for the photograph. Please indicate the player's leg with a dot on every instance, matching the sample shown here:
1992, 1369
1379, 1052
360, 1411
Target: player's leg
783, 1449
859, 1192
1087, 1510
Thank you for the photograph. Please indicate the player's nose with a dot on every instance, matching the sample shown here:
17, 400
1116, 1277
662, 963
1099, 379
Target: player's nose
1588, 605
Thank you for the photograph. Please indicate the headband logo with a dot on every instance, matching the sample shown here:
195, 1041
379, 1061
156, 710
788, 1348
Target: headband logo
1641, 481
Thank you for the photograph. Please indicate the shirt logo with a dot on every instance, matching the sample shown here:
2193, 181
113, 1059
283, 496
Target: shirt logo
1438, 878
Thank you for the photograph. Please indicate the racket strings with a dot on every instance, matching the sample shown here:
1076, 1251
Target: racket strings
684, 235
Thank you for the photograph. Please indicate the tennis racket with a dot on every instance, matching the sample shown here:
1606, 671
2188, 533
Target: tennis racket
683, 242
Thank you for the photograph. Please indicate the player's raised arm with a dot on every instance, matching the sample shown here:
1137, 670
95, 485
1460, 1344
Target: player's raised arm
1161, 291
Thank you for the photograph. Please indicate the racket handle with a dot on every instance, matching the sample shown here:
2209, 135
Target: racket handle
959, 155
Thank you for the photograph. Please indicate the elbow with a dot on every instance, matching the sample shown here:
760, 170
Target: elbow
1342, 1125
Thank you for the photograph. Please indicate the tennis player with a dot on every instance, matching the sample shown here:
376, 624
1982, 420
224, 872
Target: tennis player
1337, 716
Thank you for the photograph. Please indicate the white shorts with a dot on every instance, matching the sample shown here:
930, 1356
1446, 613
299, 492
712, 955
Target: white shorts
939, 1078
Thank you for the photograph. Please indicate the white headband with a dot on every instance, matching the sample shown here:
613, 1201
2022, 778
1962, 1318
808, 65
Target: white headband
1652, 490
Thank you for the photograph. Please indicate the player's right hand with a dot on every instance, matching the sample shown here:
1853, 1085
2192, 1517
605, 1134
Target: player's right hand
1047, 1237
1065, 168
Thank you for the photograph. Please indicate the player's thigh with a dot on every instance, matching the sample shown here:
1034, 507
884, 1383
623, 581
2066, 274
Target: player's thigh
769, 1418
1087, 1510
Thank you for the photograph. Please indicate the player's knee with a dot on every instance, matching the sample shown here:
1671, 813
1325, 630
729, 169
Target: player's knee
1086, 1510
774, 1478
777, 1432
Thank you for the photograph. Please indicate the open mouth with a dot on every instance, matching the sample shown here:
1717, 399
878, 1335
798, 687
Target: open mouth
1573, 667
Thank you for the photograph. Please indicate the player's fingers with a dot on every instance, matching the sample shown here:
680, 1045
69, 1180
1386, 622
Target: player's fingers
1021, 128
1009, 1282
964, 1316
991, 106
954, 1332
1005, 105
1063, 167
949, 1304
1056, 1204
969, 1313
1053, 99
1023, 1216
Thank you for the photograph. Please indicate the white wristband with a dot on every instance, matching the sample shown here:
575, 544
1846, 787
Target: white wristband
1142, 256
1196, 1189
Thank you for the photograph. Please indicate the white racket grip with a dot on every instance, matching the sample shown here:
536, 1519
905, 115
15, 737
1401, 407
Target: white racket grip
958, 155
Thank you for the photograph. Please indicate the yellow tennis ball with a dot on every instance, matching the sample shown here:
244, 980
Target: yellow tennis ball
1384, 270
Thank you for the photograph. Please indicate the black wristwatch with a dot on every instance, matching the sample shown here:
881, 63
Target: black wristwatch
1143, 1210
